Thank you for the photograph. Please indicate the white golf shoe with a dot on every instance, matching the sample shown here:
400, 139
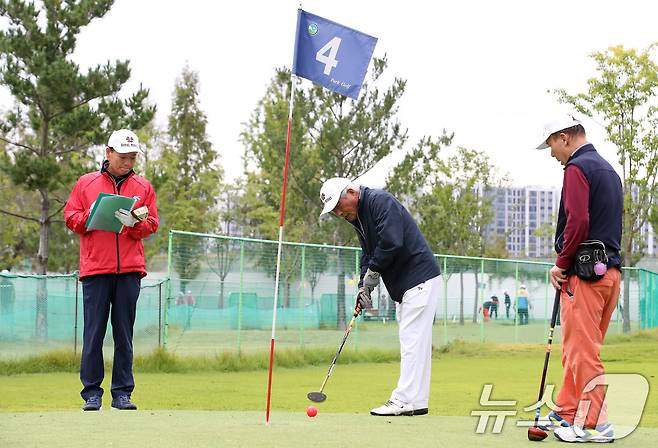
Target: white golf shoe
552, 421
576, 434
393, 407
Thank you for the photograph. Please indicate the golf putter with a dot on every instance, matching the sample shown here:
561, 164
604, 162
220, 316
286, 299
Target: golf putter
535, 433
319, 397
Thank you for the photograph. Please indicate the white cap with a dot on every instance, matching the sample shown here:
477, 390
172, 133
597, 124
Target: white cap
124, 141
330, 193
521, 286
559, 124
5, 271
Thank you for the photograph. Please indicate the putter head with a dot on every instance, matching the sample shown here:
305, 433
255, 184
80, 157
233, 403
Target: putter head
317, 397
536, 434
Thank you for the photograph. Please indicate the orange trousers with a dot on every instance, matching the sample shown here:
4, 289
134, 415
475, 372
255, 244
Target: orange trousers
584, 318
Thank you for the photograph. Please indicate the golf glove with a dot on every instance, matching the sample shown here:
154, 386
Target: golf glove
363, 299
125, 217
371, 279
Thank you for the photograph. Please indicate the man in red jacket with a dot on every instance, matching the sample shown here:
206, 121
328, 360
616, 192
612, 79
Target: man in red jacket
111, 268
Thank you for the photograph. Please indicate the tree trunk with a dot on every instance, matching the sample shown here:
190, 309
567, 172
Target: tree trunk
220, 302
626, 314
628, 261
41, 323
477, 298
461, 298
286, 295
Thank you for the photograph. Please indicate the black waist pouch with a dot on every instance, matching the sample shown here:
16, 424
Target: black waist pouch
590, 253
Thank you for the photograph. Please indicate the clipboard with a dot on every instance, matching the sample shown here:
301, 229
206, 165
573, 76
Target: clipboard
102, 215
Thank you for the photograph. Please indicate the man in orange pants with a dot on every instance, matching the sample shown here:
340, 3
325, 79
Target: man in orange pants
590, 216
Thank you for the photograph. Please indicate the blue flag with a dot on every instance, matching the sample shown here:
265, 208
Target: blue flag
330, 54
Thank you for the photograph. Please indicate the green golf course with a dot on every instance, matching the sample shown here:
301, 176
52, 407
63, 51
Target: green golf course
212, 405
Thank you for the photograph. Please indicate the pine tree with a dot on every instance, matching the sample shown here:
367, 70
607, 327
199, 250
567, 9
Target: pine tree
60, 112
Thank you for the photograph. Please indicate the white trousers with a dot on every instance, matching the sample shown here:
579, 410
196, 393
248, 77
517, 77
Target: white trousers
415, 317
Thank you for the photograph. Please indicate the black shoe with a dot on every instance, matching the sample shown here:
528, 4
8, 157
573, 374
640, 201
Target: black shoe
93, 404
122, 402
422, 411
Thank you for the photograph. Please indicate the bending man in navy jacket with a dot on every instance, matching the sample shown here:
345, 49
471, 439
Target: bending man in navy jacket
393, 248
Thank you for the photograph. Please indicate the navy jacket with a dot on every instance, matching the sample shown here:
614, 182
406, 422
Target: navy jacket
605, 203
392, 243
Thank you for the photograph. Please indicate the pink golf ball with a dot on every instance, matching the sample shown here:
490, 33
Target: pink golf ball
600, 268
311, 411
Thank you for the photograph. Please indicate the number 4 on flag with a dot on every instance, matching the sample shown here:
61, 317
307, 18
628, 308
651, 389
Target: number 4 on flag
330, 60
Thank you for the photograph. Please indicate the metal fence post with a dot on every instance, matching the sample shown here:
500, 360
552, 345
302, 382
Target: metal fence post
445, 300
160, 315
653, 322
516, 304
482, 300
301, 298
165, 335
652, 308
642, 283
240, 295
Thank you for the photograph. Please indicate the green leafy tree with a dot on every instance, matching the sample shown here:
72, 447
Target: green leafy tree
653, 218
152, 140
446, 193
17, 236
59, 111
317, 262
222, 254
187, 178
546, 231
331, 136
496, 247
623, 96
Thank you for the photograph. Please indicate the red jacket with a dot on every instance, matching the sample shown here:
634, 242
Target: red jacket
104, 252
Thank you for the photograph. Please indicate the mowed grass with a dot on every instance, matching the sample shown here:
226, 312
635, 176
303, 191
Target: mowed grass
198, 429
220, 400
200, 341
460, 371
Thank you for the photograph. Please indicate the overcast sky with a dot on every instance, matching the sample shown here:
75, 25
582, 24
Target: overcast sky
480, 69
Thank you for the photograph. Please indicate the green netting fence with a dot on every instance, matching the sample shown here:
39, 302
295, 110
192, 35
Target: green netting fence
222, 293
44, 313
216, 295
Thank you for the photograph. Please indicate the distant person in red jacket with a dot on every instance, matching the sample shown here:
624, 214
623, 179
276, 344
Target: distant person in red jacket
111, 268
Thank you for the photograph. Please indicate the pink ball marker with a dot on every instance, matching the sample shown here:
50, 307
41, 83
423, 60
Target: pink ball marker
600, 268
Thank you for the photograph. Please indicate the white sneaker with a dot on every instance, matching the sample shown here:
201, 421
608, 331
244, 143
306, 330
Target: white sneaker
602, 434
552, 421
393, 407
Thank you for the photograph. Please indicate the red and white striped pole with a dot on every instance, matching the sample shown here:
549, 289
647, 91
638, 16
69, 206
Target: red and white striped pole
278, 253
